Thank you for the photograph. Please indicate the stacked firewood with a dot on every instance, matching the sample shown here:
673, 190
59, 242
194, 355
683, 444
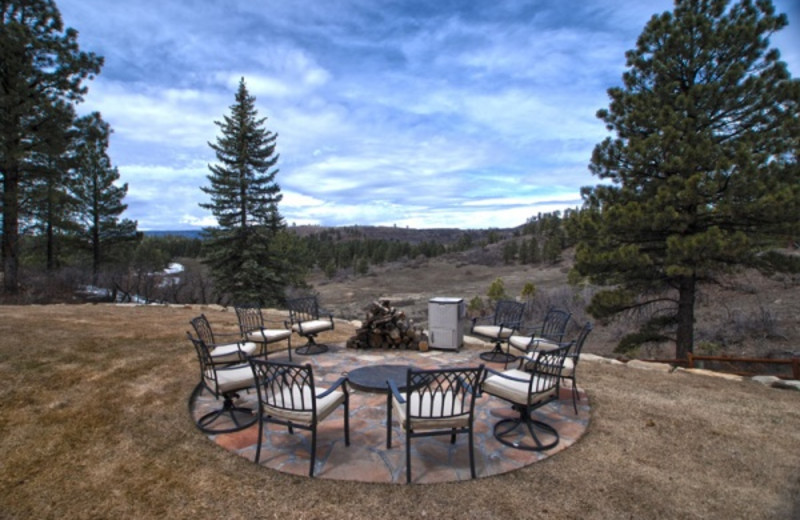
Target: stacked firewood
386, 327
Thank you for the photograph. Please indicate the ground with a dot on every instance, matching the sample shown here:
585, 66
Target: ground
94, 424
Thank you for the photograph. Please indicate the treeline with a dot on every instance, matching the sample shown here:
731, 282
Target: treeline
540, 239
135, 270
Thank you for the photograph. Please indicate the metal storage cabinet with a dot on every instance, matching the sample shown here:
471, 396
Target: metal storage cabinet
446, 323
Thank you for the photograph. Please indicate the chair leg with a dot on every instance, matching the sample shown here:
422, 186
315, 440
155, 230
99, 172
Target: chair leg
313, 450
260, 438
575, 397
389, 422
509, 426
346, 420
408, 456
471, 452
312, 348
241, 416
496, 355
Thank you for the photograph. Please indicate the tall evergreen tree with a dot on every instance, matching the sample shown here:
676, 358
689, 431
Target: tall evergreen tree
703, 169
41, 66
47, 201
244, 260
99, 199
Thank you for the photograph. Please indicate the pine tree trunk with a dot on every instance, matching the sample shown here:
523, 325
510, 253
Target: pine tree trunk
11, 227
684, 341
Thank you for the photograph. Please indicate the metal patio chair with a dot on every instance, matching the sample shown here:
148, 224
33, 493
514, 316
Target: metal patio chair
498, 328
307, 320
434, 402
534, 384
287, 395
253, 329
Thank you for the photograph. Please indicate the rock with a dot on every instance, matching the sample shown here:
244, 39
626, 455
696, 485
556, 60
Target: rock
787, 384
660, 367
704, 372
600, 359
766, 380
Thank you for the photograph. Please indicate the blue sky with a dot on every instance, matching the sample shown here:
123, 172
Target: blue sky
465, 114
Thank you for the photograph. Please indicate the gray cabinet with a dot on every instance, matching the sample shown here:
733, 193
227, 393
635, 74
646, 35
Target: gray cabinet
446, 323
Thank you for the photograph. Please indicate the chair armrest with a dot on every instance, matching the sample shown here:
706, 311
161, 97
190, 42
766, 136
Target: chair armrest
481, 319
339, 382
396, 391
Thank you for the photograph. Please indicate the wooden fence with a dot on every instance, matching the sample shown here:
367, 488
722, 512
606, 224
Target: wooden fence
695, 361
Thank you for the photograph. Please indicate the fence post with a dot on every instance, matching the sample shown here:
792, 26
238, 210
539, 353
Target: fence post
795, 367
690, 360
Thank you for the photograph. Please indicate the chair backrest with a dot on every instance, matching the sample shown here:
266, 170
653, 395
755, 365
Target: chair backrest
508, 314
203, 330
580, 340
555, 324
546, 368
249, 317
285, 386
208, 374
442, 393
303, 309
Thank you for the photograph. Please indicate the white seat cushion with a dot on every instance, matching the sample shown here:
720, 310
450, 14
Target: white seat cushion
268, 335
447, 411
229, 353
231, 379
492, 331
299, 405
312, 326
524, 343
516, 391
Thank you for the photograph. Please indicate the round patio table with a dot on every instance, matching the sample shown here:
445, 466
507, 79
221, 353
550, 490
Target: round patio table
373, 378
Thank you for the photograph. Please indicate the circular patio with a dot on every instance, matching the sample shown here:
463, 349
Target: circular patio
433, 459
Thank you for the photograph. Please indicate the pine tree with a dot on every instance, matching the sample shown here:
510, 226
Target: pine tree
703, 169
47, 201
41, 67
242, 255
99, 199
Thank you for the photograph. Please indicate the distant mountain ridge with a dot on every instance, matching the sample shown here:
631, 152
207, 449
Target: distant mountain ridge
400, 234
188, 233
391, 233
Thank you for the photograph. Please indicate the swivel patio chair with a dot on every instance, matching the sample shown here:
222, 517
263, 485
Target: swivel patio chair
231, 352
306, 319
225, 380
434, 402
549, 333
288, 396
498, 328
253, 329
533, 385
570, 362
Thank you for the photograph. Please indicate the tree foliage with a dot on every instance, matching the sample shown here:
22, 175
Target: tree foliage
241, 252
41, 72
98, 199
702, 177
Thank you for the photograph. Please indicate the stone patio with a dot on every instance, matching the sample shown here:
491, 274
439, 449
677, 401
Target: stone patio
433, 459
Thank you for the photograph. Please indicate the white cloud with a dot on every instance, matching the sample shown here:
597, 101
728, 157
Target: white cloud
426, 114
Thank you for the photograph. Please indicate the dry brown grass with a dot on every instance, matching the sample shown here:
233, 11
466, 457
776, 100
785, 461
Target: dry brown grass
94, 424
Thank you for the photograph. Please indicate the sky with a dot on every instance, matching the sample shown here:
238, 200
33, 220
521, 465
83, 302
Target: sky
468, 114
